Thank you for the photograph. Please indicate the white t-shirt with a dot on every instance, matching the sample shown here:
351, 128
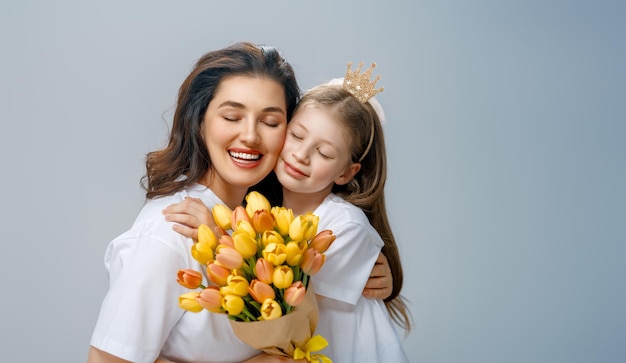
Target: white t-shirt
140, 317
357, 329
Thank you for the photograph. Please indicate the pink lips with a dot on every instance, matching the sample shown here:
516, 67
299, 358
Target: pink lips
293, 171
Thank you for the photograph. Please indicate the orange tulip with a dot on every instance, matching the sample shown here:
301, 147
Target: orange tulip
217, 273
312, 261
189, 278
260, 291
322, 241
211, 299
264, 270
239, 214
228, 257
227, 240
262, 221
295, 293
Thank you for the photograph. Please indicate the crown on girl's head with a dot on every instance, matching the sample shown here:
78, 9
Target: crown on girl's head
359, 85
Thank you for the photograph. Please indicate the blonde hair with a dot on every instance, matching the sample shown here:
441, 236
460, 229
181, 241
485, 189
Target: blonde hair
367, 189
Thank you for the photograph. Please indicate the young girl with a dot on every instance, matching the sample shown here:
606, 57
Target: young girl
334, 164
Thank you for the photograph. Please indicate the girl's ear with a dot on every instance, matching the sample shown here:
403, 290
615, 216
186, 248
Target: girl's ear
348, 174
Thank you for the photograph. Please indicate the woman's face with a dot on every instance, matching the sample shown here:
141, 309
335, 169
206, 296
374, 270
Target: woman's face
244, 130
316, 153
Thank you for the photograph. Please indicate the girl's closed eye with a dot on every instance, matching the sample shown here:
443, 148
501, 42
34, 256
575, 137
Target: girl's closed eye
296, 136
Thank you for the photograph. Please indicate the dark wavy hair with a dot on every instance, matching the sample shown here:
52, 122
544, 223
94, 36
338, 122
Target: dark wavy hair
186, 153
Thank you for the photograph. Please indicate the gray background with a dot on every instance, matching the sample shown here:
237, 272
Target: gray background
507, 160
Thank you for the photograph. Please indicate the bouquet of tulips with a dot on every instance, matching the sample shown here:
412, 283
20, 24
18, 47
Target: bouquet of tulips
259, 275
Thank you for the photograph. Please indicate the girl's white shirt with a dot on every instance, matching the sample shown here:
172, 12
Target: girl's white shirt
357, 329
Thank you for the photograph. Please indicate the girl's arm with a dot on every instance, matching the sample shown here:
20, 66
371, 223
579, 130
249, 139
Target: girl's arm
189, 214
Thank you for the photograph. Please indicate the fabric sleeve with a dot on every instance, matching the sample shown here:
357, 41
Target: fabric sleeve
349, 262
141, 306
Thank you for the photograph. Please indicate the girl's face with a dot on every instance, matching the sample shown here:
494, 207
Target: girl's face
244, 131
316, 153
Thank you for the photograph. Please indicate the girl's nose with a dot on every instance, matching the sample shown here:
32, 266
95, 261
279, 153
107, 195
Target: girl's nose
301, 155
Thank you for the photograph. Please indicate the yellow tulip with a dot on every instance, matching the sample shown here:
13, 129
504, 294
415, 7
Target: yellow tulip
322, 241
233, 304
282, 219
264, 270
256, 201
294, 294
260, 291
270, 309
271, 237
211, 299
189, 302
275, 253
282, 277
245, 227
206, 236
263, 221
228, 257
202, 252
294, 254
303, 227
236, 285
312, 220
189, 278
222, 216
244, 244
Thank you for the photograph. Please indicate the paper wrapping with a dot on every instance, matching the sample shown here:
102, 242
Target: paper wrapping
281, 336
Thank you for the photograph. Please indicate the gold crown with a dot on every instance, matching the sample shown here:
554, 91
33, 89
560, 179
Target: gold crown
359, 85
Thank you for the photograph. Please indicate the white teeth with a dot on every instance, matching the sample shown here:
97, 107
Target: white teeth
245, 156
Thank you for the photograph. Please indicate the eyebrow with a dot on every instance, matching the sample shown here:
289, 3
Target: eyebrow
242, 106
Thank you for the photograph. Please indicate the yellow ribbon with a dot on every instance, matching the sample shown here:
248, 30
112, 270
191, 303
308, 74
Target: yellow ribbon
313, 345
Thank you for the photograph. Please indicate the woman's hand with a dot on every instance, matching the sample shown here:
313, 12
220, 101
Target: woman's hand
188, 215
380, 283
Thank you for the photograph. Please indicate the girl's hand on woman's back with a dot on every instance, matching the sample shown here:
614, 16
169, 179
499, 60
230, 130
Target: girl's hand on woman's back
188, 215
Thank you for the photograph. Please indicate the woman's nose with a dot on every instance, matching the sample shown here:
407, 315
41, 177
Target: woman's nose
250, 133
